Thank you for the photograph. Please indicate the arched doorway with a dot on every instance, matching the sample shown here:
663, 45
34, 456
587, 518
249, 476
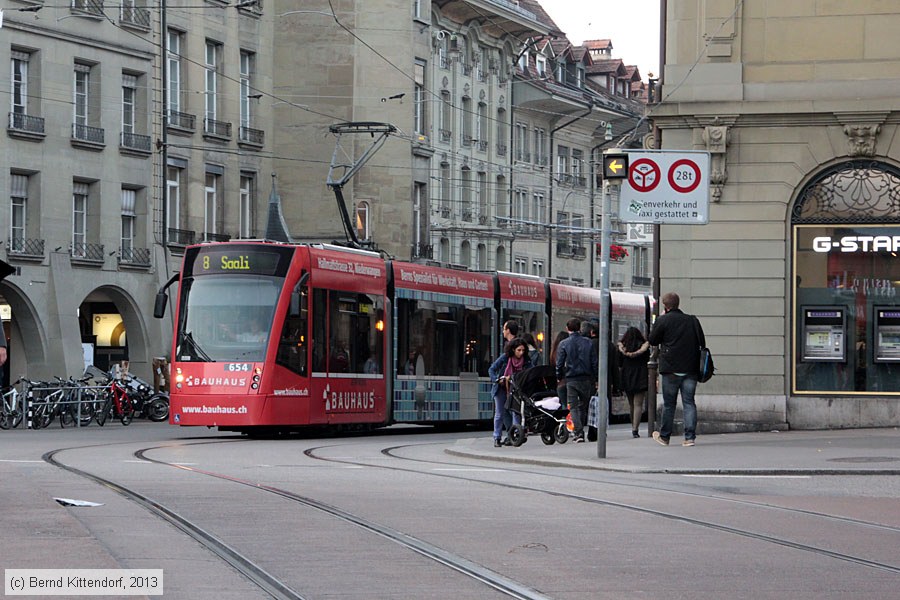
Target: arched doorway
112, 329
26, 339
845, 228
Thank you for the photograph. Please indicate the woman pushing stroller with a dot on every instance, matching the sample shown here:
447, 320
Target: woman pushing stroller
514, 359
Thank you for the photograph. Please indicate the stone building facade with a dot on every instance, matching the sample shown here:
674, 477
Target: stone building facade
795, 277
111, 168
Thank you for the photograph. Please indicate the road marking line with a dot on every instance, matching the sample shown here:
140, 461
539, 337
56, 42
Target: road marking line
723, 476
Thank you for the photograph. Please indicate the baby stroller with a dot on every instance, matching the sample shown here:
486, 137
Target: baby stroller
532, 394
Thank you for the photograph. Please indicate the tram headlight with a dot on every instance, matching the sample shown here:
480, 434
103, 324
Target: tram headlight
379, 325
179, 377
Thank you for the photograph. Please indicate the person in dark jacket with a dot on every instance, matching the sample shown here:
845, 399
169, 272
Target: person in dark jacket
633, 352
576, 361
677, 334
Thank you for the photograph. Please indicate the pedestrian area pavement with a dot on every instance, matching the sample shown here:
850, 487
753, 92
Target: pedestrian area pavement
830, 452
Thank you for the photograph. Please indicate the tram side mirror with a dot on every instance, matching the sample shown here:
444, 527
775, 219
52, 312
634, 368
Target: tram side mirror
298, 298
159, 307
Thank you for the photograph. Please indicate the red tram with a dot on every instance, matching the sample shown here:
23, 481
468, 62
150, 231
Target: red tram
275, 336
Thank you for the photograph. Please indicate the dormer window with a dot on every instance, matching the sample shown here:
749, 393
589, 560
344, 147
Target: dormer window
579, 75
560, 72
541, 64
523, 60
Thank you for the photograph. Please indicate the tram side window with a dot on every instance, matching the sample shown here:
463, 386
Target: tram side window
450, 338
416, 324
348, 333
479, 325
292, 345
320, 327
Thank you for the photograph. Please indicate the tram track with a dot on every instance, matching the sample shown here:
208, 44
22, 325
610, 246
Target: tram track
656, 488
311, 453
259, 576
510, 588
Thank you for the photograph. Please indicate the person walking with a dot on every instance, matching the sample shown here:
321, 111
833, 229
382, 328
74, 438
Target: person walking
510, 362
576, 361
510, 332
679, 337
633, 352
560, 383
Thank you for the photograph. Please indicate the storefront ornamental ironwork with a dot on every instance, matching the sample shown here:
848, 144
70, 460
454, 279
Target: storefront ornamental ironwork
862, 191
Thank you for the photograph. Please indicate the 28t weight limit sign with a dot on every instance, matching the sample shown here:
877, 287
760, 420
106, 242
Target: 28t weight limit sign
666, 187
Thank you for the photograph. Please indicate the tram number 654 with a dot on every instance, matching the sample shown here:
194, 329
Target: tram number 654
237, 367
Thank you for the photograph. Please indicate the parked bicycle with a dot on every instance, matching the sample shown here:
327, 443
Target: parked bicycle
116, 401
11, 409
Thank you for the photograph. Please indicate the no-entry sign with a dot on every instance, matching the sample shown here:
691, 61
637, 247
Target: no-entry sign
666, 187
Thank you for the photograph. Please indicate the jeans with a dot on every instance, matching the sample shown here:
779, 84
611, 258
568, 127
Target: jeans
503, 419
671, 384
578, 395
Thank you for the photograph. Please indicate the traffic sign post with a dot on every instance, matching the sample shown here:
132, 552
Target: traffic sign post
665, 187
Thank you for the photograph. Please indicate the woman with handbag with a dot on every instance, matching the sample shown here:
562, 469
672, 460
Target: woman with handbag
513, 360
633, 354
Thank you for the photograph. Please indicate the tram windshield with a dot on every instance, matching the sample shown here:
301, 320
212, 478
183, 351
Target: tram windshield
226, 318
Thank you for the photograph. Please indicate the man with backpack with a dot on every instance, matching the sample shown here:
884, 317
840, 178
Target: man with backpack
679, 337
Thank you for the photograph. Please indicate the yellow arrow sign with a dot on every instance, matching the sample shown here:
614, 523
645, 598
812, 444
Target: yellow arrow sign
615, 166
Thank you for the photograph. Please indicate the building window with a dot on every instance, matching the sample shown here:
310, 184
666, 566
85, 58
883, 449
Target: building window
482, 199
537, 209
501, 202
129, 198
248, 196
19, 82
420, 214
520, 209
523, 60
82, 94
174, 180
80, 194
247, 64
212, 214
481, 127
212, 66
446, 116
521, 264
541, 65
446, 200
522, 142
467, 119
578, 167
445, 250
540, 146
129, 99
419, 103
640, 263
465, 253
578, 247
562, 163
481, 258
18, 221
173, 66
466, 195
417, 9
537, 267
502, 135
564, 235
362, 220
